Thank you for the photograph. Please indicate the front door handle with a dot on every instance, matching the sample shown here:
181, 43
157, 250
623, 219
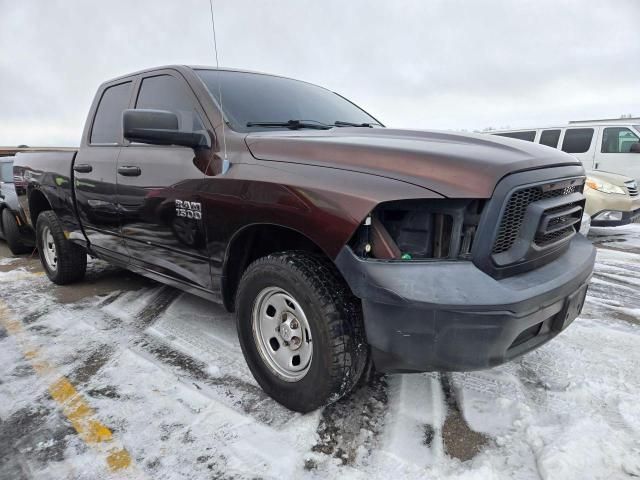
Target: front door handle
129, 171
82, 168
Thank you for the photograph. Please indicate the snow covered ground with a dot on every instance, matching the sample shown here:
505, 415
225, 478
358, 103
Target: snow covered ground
163, 370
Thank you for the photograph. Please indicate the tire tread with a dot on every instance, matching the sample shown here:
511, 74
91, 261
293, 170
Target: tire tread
72, 259
340, 309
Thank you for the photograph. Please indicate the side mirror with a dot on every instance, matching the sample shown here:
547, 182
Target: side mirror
159, 127
635, 148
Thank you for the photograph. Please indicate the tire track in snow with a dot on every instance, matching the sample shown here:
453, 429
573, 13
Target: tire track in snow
156, 306
349, 429
226, 390
613, 291
459, 439
622, 239
412, 439
163, 331
128, 320
250, 427
421, 419
552, 383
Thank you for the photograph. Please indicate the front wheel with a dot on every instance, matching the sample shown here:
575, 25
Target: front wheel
300, 329
63, 261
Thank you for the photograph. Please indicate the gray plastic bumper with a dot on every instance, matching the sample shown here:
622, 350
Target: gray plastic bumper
451, 316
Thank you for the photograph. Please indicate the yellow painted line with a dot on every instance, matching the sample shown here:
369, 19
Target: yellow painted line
73, 405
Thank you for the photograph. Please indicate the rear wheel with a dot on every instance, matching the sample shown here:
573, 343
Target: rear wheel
63, 261
11, 231
300, 329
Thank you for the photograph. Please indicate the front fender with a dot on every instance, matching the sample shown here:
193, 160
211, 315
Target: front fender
324, 204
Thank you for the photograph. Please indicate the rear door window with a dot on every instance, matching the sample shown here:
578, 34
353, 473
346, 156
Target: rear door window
550, 138
577, 140
107, 124
529, 135
618, 140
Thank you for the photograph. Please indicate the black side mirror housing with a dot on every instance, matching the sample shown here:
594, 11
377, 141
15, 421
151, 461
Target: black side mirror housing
635, 148
159, 127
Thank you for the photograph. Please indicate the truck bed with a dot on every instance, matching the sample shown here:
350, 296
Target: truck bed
52, 174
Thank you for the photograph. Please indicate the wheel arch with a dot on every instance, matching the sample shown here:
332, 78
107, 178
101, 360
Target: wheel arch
38, 203
255, 241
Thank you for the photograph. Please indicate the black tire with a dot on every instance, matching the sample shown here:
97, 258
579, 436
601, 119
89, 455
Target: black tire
334, 315
71, 259
12, 235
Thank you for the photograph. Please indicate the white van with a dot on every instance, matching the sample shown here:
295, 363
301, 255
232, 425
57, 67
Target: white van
612, 145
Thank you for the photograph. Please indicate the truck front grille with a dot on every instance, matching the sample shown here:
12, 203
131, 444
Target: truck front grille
515, 210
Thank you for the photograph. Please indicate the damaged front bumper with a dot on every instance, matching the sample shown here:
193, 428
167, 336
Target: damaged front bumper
452, 316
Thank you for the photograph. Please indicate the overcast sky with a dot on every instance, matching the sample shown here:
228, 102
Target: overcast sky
416, 64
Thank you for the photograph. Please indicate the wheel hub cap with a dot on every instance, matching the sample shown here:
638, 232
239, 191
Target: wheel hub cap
282, 334
49, 249
285, 332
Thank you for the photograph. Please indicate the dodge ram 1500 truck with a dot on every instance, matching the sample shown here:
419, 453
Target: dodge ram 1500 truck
337, 242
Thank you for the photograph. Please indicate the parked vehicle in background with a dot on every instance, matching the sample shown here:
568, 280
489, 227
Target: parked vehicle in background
14, 227
336, 241
612, 200
610, 145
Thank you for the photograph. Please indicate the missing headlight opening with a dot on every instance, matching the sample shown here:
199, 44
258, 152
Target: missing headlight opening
419, 230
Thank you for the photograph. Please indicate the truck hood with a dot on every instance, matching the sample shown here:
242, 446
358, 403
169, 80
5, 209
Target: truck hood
451, 164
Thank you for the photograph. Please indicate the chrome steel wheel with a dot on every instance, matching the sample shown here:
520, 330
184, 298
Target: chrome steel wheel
281, 332
49, 249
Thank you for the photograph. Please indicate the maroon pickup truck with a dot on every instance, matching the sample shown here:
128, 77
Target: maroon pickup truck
338, 242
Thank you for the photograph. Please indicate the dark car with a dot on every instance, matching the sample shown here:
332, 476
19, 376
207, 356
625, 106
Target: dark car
13, 226
338, 242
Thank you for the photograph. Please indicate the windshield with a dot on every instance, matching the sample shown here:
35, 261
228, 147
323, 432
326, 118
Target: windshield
253, 97
6, 172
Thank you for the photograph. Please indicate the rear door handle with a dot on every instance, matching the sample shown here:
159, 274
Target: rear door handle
129, 171
82, 168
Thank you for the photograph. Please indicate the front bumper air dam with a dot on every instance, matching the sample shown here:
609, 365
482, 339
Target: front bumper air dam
451, 316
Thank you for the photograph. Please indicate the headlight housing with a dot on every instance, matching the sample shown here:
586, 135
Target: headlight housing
604, 187
433, 229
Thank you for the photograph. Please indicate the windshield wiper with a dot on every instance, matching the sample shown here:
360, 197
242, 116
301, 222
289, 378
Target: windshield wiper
292, 124
339, 123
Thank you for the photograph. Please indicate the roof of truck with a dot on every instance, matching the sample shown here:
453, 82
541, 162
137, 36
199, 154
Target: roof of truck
198, 67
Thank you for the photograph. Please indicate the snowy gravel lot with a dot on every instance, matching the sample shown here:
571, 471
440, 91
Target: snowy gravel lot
163, 370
